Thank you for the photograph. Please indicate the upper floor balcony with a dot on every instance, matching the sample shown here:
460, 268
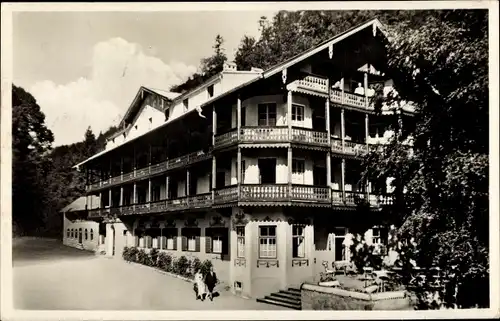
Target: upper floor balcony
272, 134
319, 86
152, 170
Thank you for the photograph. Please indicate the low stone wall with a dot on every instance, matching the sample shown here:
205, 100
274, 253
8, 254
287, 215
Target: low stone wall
315, 297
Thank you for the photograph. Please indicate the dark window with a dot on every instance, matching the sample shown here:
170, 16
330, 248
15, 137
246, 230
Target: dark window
298, 241
243, 116
267, 114
91, 234
86, 234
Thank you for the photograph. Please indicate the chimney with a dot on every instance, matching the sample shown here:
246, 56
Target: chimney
229, 66
255, 69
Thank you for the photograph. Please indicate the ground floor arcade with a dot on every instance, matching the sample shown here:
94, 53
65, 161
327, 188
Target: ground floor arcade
254, 250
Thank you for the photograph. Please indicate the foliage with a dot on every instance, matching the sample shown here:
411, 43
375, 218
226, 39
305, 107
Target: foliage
165, 262
153, 257
441, 188
210, 66
130, 254
142, 257
205, 267
181, 266
31, 142
364, 255
195, 265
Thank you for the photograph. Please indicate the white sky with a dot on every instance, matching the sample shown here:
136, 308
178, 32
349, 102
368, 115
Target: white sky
84, 68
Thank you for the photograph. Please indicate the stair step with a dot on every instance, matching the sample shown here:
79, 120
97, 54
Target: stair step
278, 303
281, 299
286, 294
294, 290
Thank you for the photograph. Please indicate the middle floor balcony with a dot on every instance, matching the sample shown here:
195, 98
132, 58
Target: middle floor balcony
251, 195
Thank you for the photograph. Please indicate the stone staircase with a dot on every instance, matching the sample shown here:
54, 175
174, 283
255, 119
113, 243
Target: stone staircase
289, 298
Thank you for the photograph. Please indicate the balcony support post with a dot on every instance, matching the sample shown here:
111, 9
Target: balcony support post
121, 168
289, 114
238, 170
110, 201
121, 195
367, 131
238, 118
149, 190
365, 83
342, 178
342, 90
214, 124
86, 201
328, 170
214, 175
289, 165
167, 188
134, 163
187, 182
342, 128
134, 196
327, 113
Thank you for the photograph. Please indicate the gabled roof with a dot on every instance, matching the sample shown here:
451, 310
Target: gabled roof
134, 107
373, 23
79, 204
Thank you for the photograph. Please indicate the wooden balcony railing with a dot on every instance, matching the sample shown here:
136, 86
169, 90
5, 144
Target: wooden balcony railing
310, 83
226, 139
200, 200
353, 148
310, 193
226, 195
274, 192
94, 213
349, 99
264, 134
248, 193
147, 171
303, 135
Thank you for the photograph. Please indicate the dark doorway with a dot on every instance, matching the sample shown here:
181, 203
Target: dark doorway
220, 179
319, 175
267, 169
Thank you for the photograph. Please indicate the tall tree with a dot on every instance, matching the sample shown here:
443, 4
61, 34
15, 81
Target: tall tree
441, 185
210, 66
31, 140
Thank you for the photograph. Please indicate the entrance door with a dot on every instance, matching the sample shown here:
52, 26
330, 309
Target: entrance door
267, 170
319, 175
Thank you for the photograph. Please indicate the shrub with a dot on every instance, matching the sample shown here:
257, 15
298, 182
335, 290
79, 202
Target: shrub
142, 257
205, 267
130, 254
195, 265
165, 262
181, 266
153, 257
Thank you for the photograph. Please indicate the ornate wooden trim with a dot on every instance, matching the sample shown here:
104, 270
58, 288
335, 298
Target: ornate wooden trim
191, 222
268, 263
170, 222
239, 219
217, 220
299, 220
300, 262
240, 261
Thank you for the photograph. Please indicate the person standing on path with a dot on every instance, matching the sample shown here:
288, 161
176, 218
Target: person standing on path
211, 281
201, 288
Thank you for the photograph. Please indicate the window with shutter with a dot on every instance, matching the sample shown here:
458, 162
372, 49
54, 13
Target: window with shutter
197, 244
184, 243
208, 244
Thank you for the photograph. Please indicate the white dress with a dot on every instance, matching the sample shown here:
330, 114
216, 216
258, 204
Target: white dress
200, 282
